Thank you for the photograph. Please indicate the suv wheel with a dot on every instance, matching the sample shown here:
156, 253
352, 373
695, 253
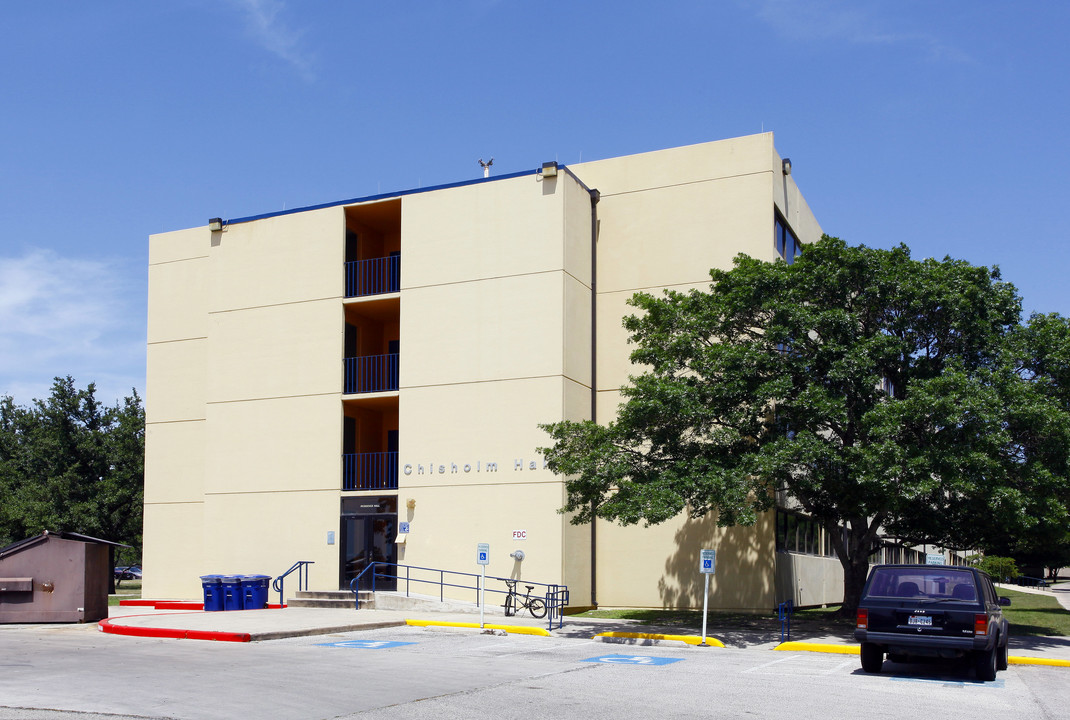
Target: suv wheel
985, 664
1001, 656
872, 657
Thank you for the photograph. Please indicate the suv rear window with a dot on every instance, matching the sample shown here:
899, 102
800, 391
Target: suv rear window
940, 582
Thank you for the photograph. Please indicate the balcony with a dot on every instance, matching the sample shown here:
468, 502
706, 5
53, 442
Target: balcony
376, 276
370, 471
370, 374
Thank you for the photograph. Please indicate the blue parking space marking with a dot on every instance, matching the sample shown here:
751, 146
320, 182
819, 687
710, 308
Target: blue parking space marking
366, 644
953, 682
632, 660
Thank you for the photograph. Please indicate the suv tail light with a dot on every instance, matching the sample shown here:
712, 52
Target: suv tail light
980, 624
863, 619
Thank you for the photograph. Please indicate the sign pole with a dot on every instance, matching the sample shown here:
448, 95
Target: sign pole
705, 602
707, 566
483, 558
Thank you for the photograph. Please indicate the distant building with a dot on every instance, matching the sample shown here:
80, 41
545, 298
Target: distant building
318, 377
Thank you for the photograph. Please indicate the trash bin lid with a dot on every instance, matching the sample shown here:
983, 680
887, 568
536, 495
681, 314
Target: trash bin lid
230, 579
214, 579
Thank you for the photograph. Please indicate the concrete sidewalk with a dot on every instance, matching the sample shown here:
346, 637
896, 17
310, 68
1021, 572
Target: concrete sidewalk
273, 624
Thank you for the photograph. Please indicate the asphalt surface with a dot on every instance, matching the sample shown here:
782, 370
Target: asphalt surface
313, 663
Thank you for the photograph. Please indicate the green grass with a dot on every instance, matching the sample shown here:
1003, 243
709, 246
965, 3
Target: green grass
1035, 614
127, 590
1029, 614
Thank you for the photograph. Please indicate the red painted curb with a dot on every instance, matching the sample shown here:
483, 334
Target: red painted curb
217, 636
178, 605
106, 626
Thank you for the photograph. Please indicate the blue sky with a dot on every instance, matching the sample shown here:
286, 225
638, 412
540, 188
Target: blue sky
940, 124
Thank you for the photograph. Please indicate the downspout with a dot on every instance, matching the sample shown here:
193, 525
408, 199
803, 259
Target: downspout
595, 197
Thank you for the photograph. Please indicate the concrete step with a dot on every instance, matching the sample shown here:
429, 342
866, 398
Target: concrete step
330, 599
324, 595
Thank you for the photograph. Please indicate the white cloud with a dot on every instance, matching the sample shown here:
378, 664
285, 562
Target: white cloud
69, 316
846, 21
273, 34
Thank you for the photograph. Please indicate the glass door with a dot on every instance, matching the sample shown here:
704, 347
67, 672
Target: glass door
368, 539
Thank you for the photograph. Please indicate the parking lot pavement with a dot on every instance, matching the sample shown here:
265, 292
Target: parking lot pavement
410, 672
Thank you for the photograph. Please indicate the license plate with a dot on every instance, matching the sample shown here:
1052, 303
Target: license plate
919, 620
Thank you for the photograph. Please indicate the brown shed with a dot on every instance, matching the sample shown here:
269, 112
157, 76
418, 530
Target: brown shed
55, 577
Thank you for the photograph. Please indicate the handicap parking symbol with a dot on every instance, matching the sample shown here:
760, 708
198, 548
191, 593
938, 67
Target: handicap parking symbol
366, 644
633, 660
707, 564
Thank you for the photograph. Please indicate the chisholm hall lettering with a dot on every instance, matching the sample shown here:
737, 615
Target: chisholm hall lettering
480, 466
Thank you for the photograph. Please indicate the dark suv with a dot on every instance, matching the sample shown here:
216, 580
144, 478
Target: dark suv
932, 611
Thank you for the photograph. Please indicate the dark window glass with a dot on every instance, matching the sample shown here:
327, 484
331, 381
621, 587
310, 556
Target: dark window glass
787, 245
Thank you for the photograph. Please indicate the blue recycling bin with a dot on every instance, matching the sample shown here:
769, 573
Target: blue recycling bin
255, 591
213, 592
232, 593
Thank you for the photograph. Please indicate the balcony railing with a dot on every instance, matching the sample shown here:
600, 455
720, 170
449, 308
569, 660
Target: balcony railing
370, 471
370, 373
373, 277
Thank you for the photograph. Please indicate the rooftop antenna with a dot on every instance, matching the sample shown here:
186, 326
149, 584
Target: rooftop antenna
486, 166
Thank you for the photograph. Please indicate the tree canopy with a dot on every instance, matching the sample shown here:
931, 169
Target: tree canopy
68, 463
880, 392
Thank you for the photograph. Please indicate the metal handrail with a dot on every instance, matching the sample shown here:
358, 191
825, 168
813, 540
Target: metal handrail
370, 471
555, 596
373, 276
302, 581
370, 373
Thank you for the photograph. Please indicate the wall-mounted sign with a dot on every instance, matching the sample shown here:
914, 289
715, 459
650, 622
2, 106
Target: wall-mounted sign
403, 527
520, 534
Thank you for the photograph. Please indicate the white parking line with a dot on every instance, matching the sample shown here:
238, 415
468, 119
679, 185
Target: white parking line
841, 666
547, 649
774, 662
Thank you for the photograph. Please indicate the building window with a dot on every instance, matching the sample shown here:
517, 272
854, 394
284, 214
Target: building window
787, 245
801, 534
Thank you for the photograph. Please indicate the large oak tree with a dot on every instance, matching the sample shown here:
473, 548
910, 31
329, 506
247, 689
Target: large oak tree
876, 390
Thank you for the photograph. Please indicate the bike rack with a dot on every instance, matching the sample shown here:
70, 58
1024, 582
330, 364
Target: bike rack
555, 596
784, 611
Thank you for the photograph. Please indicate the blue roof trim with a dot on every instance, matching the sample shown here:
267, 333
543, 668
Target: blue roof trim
383, 196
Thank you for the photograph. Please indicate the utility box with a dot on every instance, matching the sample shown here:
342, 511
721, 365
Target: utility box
55, 577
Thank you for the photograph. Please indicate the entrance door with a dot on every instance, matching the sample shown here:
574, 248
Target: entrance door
367, 539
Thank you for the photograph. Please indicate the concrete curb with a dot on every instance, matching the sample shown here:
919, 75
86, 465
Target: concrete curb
693, 640
1020, 660
793, 646
516, 629
853, 650
106, 626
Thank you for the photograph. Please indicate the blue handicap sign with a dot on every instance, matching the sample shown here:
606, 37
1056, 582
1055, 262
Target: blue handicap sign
482, 556
633, 660
366, 644
707, 563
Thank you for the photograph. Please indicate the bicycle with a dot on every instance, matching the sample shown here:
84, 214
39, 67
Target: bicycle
514, 602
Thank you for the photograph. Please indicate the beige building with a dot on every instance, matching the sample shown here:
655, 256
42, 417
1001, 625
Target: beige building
363, 380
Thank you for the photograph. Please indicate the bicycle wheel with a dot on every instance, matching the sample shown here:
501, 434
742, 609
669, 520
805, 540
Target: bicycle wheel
510, 606
537, 606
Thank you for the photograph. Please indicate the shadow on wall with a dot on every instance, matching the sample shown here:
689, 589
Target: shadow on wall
745, 572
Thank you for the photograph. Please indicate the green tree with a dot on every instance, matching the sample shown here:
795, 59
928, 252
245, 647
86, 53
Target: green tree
1040, 355
69, 463
863, 383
